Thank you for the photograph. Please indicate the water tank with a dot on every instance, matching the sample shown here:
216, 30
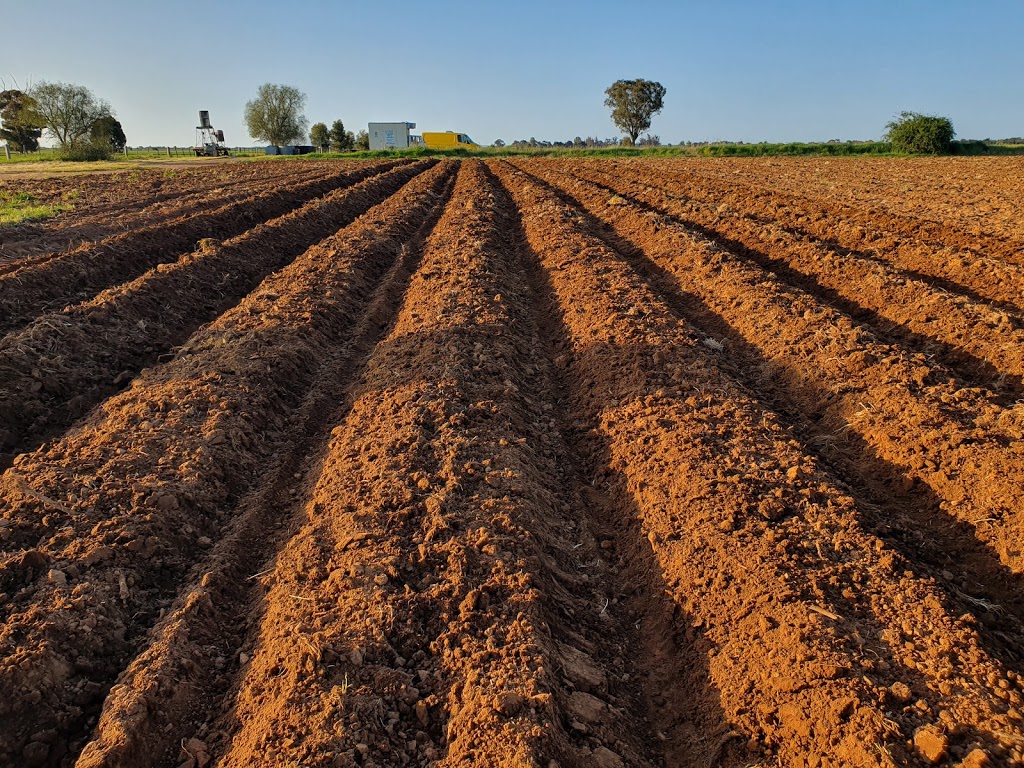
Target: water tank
204, 119
220, 136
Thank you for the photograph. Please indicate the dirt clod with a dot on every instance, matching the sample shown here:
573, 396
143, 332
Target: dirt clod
423, 713
586, 708
931, 743
603, 757
35, 754
901, 691
976, 758
33, 559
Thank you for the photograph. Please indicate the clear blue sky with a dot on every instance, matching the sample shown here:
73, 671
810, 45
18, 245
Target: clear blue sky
737, 70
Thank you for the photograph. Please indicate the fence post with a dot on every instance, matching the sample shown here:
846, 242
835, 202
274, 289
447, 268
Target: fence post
125, 151
168, 151
7, 151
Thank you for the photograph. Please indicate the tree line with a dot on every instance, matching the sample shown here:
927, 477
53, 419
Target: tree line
83, 125
277, 116
590, 142
633, 104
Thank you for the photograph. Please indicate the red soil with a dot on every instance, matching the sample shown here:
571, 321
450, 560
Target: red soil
532, 463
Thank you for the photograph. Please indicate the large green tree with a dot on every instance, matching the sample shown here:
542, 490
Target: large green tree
341, 140
319, 136
633, 103
275, 115
918, 134
68, 111
107, 131
22, 126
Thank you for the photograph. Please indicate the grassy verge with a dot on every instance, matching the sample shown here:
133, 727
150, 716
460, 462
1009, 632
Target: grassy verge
49, 154
844, 149
46, 158
417, 152
20, 206
793, 149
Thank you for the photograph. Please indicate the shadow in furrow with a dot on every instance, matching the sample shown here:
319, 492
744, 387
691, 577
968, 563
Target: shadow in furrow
181, 677
935, 281
103, 342
971, 369
912, 522
872, 254
671, 654
69, 277
938, 234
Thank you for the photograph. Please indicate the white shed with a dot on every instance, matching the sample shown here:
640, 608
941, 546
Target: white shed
390, 135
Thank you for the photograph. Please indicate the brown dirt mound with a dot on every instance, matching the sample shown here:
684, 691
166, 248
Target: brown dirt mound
100, 205
63, 363
42, 285
213, 416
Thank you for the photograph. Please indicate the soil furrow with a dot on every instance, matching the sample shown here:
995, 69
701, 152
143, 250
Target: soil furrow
40, 242
896, 424
815, 635
984, 343
436, 521
62, 364
73, 276
35, 242
939, 224
120, 508
686, 730
534, 463
909, 516
968, 269
171, 690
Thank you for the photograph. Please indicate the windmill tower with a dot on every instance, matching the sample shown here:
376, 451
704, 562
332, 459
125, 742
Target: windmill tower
209, 141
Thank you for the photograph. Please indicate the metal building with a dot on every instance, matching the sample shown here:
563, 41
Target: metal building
391, 135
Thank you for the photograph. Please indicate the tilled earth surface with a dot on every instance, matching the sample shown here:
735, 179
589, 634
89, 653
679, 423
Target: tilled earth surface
517, 463
97, 205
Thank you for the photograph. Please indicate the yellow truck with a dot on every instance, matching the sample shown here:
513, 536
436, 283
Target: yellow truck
448, 140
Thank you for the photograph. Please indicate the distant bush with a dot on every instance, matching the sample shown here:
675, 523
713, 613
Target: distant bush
918, 134
85, 150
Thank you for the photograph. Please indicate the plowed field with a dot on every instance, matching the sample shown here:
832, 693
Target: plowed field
517, 463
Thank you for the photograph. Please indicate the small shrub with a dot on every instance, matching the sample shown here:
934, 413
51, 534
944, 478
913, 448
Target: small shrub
918, 134
85, 151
